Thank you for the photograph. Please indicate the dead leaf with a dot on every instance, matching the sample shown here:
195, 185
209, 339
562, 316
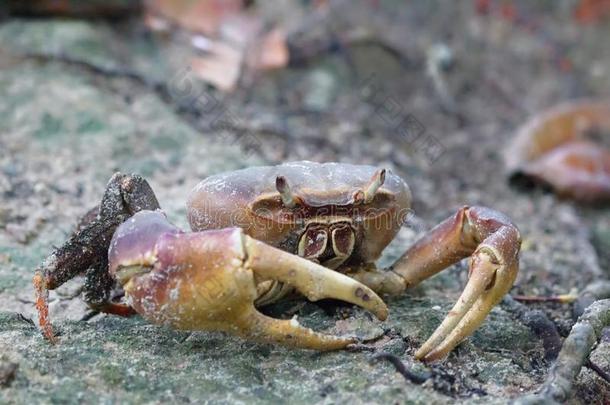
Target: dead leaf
591, 11
229, 39
556, 149
221, 67
271, 52
203, 16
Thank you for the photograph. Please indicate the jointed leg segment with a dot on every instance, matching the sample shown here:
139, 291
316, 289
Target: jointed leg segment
87, 248
493, 243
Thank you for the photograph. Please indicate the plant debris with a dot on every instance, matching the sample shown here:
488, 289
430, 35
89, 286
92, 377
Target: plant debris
573, 356
8, 370
557, 149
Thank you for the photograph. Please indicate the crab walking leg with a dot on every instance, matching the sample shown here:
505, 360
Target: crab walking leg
88, 246
310, 279
493, 242
208, 281
41, 299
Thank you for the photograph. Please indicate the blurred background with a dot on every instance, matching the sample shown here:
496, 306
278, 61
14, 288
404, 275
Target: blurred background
178, 90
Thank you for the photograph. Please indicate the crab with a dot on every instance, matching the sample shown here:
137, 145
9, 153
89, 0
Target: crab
262, 234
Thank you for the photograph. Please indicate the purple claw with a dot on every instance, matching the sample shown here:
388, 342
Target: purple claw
134, 240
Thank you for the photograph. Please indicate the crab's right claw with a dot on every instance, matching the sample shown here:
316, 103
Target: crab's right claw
207, 281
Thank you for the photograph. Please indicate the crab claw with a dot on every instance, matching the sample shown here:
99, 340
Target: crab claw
207, 281
493, 242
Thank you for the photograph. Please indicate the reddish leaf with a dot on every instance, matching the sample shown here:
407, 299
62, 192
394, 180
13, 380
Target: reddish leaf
203, 16
591, 11
554, 149
271, 52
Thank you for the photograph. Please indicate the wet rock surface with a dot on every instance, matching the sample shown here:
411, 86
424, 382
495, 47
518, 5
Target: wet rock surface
70, 116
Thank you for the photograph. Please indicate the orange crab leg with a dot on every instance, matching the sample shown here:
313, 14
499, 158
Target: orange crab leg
42, 306
41, 297
86, 249
114, 309
493, 242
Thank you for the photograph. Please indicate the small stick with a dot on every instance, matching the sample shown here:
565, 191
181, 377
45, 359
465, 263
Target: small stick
573, 355
87, 249
89, 315
409, 375
539, 323
562, 299
600, 372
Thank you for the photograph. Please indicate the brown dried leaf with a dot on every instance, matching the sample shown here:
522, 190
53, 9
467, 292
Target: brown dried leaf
221, 68
554, 149
591, 11
271, 52
230, 39
203, 16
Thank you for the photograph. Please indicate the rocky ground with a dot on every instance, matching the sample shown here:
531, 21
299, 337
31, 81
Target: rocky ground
82, 99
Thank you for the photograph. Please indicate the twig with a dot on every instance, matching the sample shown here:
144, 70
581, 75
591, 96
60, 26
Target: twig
539, 323
86, 251
25, 319
561, 299
87, 9
89, 315
414, 377
600, 372
573, 355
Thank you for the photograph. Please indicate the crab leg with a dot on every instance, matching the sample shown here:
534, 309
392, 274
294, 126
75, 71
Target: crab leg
493, 242
207, 281
87, 248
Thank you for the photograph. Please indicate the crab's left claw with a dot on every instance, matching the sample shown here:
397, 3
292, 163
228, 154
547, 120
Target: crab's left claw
207, 281
493, 242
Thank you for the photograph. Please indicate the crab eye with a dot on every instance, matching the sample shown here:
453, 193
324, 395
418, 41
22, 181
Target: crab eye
288, 199
375, 183
366, 196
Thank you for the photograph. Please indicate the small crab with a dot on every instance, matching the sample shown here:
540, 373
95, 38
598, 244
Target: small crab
264, 233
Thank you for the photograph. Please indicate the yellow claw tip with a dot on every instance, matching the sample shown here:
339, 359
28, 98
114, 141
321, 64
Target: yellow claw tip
383, 313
